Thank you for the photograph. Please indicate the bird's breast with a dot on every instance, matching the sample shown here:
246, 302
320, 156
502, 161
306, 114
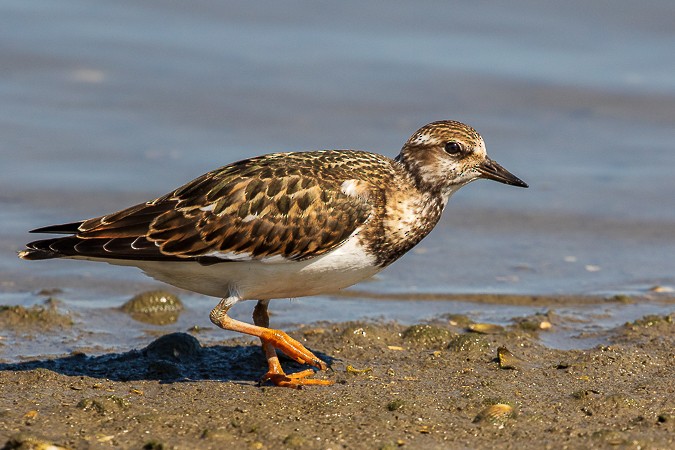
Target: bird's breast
406, 219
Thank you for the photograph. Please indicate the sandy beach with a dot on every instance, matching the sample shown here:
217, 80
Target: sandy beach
445, 383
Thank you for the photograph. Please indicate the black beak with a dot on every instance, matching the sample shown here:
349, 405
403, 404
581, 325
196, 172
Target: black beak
490, 170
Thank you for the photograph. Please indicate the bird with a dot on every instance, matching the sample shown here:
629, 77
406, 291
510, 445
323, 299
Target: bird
285, 225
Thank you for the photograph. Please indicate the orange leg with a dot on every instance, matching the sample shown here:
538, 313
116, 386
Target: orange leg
271, 340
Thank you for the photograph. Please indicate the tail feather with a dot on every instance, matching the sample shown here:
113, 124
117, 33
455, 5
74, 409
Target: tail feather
65, 228
40, 250
134, 248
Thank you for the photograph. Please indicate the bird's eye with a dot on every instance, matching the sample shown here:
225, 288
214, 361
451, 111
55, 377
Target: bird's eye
453, 148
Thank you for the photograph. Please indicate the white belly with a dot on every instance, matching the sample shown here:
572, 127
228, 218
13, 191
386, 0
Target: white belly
258, 280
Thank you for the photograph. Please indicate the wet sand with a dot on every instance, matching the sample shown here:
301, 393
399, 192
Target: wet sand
430, 385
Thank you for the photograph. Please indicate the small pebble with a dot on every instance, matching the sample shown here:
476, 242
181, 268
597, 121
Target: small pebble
351, 369
495, 414
662, 289
507, 360
545, 325
485, 328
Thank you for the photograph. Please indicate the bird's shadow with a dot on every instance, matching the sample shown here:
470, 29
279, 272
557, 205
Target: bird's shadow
172, 358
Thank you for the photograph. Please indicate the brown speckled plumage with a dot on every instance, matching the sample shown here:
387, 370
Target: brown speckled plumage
283, 204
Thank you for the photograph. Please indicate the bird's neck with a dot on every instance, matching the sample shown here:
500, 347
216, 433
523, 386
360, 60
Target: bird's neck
423, 174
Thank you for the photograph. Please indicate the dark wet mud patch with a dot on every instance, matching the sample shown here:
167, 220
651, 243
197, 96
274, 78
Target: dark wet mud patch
170, 358
414, 386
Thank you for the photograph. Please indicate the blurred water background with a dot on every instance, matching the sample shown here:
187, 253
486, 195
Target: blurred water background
105, 104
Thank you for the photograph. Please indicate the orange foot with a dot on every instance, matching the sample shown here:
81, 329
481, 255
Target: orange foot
290, 347
293, 380
274, 339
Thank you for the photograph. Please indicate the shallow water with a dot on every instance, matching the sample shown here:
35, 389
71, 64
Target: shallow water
113, 103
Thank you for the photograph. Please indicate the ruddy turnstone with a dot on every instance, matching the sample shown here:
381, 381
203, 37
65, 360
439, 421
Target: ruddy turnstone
285, 225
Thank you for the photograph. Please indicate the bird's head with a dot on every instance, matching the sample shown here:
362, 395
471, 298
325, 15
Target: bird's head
447, 154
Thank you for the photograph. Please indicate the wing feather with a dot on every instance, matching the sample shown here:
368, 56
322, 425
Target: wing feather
284, 205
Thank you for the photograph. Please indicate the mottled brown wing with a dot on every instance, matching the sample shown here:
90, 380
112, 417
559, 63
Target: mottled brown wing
279, 205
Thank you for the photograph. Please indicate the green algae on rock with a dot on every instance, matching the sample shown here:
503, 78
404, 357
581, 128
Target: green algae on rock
154, 307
